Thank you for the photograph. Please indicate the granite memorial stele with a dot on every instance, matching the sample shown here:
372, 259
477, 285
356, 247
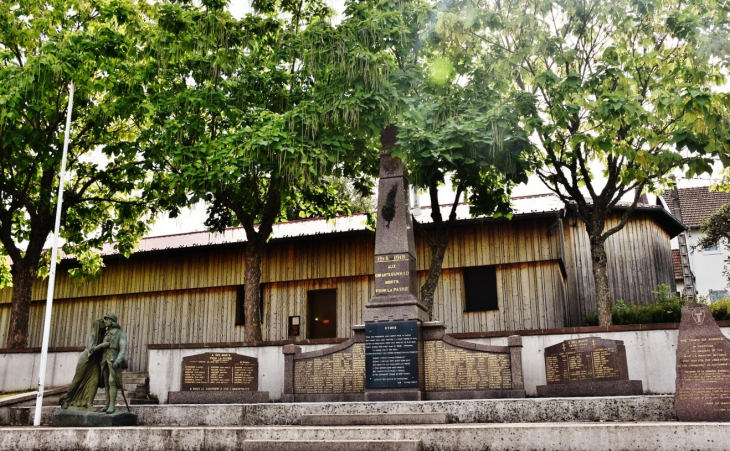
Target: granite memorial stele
219, 378
703, 368
99, 366
590, 366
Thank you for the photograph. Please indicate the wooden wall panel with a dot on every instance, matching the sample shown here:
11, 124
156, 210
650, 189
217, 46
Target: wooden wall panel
639, 259
304, 259
185, 316
530, 295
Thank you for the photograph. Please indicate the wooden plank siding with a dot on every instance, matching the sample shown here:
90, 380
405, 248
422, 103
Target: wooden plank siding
311, 258
639, 259
208, 315
189, 296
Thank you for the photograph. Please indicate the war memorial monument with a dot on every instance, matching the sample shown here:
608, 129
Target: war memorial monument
401, 383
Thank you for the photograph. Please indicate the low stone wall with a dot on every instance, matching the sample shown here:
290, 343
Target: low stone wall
19, 369
453, 369
651, 354
165, 366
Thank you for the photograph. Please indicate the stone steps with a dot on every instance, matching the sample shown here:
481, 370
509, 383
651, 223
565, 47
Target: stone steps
136, 388
525, 410
572, 436
332, 445
374, 419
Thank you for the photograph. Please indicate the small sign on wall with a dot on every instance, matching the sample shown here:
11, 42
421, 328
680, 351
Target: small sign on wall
293, 326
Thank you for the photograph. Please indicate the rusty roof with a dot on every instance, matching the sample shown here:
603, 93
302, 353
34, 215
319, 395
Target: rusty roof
696, 204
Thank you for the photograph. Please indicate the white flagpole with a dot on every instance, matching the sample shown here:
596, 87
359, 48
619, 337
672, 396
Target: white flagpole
52, 274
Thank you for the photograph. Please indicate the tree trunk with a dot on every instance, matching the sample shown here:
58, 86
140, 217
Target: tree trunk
434, 271
252, 293
23, 277
600, 278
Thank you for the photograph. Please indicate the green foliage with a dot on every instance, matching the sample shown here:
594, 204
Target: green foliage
619, 85
716, 229
720, 310
44, 47
235, 117
665, 309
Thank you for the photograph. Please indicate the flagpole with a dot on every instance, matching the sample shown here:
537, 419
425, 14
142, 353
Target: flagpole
52, 274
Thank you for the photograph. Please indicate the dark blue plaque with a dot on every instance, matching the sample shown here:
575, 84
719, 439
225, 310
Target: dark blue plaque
391, 354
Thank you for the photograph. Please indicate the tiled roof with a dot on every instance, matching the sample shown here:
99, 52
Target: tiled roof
677, 264
696, 204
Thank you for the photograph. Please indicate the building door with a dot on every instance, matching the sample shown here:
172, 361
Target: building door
322, 314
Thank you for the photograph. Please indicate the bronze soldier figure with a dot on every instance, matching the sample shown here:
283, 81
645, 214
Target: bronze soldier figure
113, 361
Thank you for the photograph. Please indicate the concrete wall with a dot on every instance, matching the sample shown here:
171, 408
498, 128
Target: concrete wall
19, 371
165, 367
651, 356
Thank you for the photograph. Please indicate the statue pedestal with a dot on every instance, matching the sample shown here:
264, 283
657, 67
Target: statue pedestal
84, 418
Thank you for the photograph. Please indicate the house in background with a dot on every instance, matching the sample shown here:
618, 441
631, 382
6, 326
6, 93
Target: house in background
529, 273
695, 205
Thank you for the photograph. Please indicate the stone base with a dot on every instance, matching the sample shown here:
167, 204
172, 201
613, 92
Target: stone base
217, 397
592, 388
444, 395
81, 418
395, 394
324, 397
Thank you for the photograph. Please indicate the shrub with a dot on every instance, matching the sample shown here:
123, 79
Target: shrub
720, 309
665, 309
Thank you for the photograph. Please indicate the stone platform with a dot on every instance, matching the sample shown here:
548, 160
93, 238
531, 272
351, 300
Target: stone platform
451, 437
526, 410
76, 418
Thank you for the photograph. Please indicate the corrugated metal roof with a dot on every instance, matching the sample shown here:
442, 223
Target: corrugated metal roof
526, 205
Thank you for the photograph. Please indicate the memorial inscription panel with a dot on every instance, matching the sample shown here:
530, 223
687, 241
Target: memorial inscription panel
451, 368
585, 359
393, 273
220, 371
703, 368
339, 372
391, 354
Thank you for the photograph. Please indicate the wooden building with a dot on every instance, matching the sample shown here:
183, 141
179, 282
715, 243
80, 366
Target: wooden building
531, 272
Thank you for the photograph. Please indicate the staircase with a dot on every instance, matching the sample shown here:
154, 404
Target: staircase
136, 388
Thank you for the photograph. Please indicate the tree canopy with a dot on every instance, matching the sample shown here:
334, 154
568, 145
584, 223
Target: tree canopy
44, 47
622, 85
236, 117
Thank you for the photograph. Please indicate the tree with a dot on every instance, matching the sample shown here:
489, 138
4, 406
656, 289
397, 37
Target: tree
716, 229
44, 47
621, 84
433, 81
237, 118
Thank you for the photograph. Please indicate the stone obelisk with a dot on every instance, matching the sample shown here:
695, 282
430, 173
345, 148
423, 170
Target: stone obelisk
393, 317
396, 284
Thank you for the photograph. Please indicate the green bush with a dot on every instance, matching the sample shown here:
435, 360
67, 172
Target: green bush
665, 309
720, 309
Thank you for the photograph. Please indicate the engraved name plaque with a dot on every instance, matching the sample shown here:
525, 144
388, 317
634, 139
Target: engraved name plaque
589, 366
585, 359
394, 273
703, 368
391, 354
220, 371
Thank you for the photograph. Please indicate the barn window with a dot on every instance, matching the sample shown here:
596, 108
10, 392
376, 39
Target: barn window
240, 296
322, 314
480, 288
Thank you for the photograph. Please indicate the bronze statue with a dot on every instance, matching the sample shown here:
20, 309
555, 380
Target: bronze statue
87, 380
113, 361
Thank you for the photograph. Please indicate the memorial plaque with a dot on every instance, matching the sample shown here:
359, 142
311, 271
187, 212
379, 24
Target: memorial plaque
585, 359
220, 371
451, 368
339, 372
703, 368
589, 366
394, 273
391, 354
